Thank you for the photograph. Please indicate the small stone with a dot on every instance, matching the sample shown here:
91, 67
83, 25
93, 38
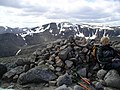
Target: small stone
63, 87
51, 67
77, 87
64, 79
32, 65
59, 63
50, 62
69, 63
58, 69
52, 83
57, 58
82, 72
40, 63
58, 73
46, 85
26, 68
15, 77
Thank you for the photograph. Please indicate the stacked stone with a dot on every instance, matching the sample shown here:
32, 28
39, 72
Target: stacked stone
54, 65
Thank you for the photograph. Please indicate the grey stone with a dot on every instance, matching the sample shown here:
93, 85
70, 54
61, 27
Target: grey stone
63, 87
109, 88
40, 63
64, 53
26, 68
51, 67
59, 63
69, 63
3, 70
22, 62
112, 79
77, 87
98, 86
52, 83
64, 79
82, 72
58, 69
37, 75
101, 73
13, 72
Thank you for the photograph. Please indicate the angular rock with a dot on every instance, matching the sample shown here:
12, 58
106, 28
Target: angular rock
16, 71
63, 87
101, 73
77, 87
3, 70
37, 75
58, 69
40, 63
63, 54
26, 68
109, 88
64, 79
112, 79
68, 63
15, 78
51, 67
52, 83
22, 62
59, 63
99, 86
82, 72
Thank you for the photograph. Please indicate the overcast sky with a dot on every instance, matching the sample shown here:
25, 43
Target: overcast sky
21, 13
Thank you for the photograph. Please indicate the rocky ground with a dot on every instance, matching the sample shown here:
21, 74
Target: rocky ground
55, 68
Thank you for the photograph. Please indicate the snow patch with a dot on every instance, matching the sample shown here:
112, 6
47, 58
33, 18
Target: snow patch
18, 52
118, 36
80, 35
26, 44
16, 34
55, 34
51, 31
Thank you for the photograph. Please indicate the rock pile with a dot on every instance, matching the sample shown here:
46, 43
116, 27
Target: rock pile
55, 64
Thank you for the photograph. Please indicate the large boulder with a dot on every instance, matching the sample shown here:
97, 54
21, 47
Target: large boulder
64, 79
37, 75
3, 69
112, 79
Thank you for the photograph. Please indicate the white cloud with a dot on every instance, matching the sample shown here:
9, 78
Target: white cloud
36, 12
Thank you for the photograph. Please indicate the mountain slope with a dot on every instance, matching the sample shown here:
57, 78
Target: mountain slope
18, 40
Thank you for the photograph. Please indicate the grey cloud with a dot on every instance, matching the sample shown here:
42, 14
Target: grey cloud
11, 3
34, 11
89, 13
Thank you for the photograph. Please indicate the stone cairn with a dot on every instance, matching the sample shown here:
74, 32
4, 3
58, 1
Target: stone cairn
54, 65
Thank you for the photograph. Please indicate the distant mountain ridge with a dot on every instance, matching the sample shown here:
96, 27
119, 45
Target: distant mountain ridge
13, 39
